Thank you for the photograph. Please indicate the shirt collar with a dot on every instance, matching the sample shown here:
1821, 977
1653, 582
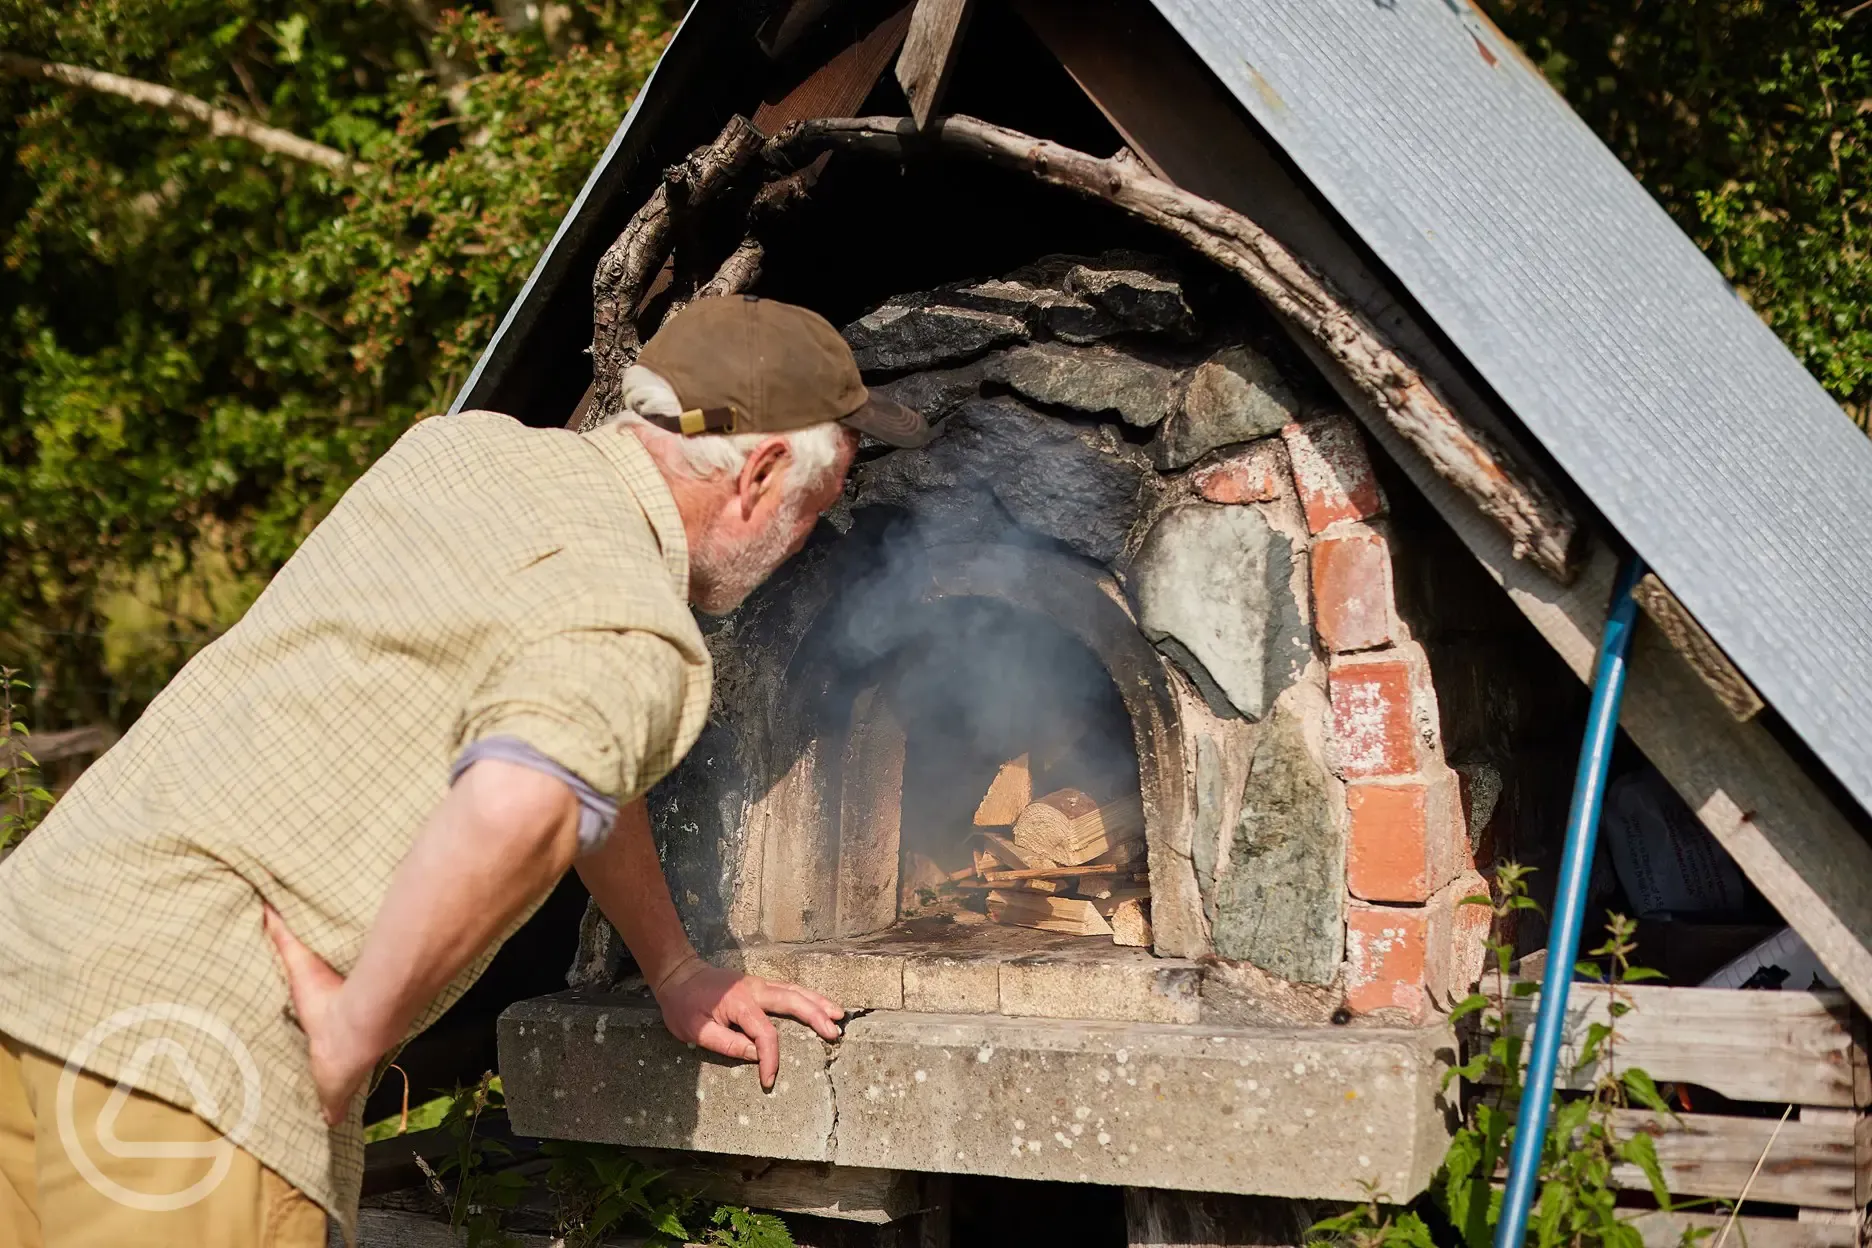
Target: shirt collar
626, 454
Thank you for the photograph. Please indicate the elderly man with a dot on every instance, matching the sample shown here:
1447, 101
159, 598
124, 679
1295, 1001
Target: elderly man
318, 835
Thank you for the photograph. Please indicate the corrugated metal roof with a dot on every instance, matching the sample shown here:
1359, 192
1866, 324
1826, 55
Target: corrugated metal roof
1619, 346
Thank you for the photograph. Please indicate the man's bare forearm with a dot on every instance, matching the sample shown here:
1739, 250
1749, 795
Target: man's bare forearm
626, 880
501, 838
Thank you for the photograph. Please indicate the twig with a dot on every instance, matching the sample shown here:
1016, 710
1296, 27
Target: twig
1541, 526
1774, 1135
219, 121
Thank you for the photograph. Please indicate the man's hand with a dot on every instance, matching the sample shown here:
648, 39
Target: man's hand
705, 1005
339, 1063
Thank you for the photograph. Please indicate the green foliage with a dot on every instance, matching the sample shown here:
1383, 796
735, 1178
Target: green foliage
595, 1190
1576, 1203
202, 344
23, 801
1751, 122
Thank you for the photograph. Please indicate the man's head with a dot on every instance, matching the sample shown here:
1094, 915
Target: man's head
751, 409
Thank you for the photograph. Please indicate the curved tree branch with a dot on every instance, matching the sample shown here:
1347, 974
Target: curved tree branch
1540, 524
219, 121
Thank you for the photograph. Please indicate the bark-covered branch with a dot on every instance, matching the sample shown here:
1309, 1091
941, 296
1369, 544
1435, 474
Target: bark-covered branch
631, 263
220, 122
1542, 527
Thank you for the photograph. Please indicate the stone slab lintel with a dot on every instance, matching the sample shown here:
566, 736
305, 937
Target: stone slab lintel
1275, 1111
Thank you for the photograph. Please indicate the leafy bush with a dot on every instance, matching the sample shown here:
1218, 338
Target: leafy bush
203, 344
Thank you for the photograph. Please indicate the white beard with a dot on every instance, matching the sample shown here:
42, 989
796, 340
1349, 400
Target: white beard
722, 575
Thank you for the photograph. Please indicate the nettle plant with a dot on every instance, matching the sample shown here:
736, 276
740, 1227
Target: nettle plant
1577, 1205
23, 800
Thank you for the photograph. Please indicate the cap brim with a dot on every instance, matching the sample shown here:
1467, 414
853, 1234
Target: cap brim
889, 422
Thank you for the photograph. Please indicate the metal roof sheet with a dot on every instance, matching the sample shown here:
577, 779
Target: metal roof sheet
1605, 329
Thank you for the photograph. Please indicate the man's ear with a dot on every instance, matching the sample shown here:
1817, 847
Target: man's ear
761, 473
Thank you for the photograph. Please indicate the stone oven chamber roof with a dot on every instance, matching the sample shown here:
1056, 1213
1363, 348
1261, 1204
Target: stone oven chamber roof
1617, 345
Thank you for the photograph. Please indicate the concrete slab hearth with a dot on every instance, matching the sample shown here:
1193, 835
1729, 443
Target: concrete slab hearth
1294, 1112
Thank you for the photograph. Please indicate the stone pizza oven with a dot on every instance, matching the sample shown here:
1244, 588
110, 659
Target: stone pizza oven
1148, 557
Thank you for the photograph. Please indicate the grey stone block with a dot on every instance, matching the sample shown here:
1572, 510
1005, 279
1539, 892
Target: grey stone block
604, 1068
856, 979
1147, 991
1277, 1112
940, 985
1281, 903
913, 333
1094, 380
1212, 589
1236, 395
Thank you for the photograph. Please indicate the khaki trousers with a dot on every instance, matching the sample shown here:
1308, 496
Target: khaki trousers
48, 1201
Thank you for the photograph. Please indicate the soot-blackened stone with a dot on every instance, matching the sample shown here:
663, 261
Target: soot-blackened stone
1236, 395
1281, 903
997, 460
1140, 291
1094, 380
1212, 587
912, 333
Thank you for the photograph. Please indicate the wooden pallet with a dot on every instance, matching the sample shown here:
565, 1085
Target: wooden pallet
1772, 1049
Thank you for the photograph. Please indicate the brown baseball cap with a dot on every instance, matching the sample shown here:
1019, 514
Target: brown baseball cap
740, 364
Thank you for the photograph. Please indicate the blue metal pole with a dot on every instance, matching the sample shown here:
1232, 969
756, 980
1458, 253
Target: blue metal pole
1563, 933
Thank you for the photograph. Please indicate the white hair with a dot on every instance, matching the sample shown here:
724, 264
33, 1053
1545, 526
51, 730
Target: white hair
815, 448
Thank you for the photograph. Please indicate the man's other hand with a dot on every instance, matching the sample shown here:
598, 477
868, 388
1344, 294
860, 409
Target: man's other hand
726, 1012
340, 1064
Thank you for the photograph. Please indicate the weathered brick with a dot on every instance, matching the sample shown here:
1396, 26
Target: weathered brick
1332, 472
1388, 951
1466, 942
1406, 839
1254, 474
1373, 725
1352, 591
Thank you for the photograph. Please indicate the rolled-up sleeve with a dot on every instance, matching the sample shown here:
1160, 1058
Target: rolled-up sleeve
607, 705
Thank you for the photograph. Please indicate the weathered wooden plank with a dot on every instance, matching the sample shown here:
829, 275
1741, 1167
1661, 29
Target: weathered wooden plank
838, 87
1665, 1230
1810, 1163
1779, 1047
823, 1190
929, 54
1690, 639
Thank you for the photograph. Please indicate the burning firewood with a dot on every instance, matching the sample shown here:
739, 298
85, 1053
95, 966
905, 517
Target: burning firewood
1070, 915
1012, 856
1007, 796
1072, 829
1130, 922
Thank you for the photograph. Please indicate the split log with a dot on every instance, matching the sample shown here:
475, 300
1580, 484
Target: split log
1130, 923
1541, 527
1070, 828
1070, 915
1039, 884
633, 261
1008, 795
1013, 856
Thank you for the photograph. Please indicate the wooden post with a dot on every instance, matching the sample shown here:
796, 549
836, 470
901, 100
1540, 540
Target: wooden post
929, 54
